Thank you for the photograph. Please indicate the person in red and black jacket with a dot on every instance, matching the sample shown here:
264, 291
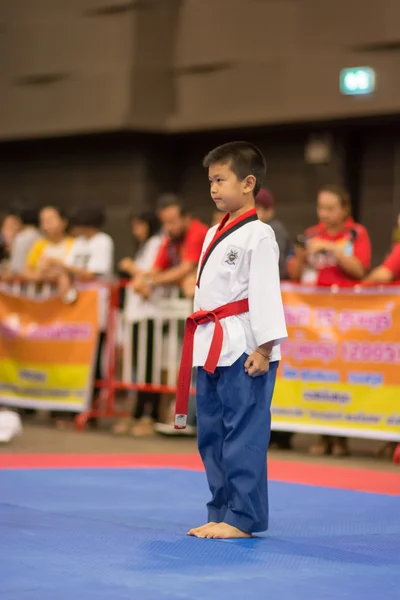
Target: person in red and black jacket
336, 252
180, 252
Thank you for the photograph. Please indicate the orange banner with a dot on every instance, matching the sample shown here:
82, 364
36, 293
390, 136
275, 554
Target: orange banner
47, 351
340, 369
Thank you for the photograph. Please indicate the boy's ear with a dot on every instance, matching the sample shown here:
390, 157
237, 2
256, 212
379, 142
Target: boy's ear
249, 183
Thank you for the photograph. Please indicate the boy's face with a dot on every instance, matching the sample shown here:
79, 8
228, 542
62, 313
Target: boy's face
228, 192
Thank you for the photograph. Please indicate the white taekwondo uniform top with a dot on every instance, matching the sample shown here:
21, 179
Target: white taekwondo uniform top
244, 263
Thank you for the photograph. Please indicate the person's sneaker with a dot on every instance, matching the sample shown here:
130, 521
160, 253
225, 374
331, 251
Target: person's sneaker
169, 429
143, 428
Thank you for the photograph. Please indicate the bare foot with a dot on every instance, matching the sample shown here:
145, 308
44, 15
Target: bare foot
201, 531
223, 531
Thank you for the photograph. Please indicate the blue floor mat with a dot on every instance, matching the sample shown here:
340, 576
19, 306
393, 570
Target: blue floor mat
119, 534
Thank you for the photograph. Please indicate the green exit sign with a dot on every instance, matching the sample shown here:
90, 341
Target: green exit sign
357, 81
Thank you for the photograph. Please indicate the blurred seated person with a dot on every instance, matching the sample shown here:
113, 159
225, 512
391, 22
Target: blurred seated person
92, 251
180, 251
265, 206
10, 227
176, 262
336, 252
146, 233
389, 270
90, 258
24, 241
42, 263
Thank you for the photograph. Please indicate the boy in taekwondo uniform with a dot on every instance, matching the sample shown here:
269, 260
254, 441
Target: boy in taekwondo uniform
233, 337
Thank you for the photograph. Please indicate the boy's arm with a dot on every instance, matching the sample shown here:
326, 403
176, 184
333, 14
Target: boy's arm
265, 300
267, 318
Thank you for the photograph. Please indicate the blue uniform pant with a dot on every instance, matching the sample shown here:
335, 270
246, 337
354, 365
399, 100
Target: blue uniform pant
233, 430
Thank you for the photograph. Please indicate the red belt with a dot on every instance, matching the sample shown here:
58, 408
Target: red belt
202, 317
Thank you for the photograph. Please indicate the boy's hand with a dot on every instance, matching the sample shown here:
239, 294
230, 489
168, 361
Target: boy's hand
257, 364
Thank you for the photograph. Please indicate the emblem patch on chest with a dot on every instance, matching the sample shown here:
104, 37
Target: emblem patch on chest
232, 257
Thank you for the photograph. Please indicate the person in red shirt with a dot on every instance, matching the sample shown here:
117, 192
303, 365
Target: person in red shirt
336, 252
175, 265
180, 252
389, 270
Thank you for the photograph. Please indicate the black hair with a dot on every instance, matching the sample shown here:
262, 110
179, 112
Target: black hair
90, 216
167, 200
341, 193
243, 159
61, 211
150, 218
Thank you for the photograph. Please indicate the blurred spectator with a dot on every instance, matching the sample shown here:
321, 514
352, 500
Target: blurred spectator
54, 248
180, 251
336, 252
146, 232
265, 205
91, 258
188, 284
175, 264
389, 270
24, 240
10, 227
92, 251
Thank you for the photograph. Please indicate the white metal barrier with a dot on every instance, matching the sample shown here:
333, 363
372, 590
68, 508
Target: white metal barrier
168, 315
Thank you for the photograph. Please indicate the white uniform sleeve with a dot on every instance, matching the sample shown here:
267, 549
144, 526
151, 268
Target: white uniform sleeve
267, 318
101, 260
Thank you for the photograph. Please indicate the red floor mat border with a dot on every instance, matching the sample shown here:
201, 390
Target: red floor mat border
362, 480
